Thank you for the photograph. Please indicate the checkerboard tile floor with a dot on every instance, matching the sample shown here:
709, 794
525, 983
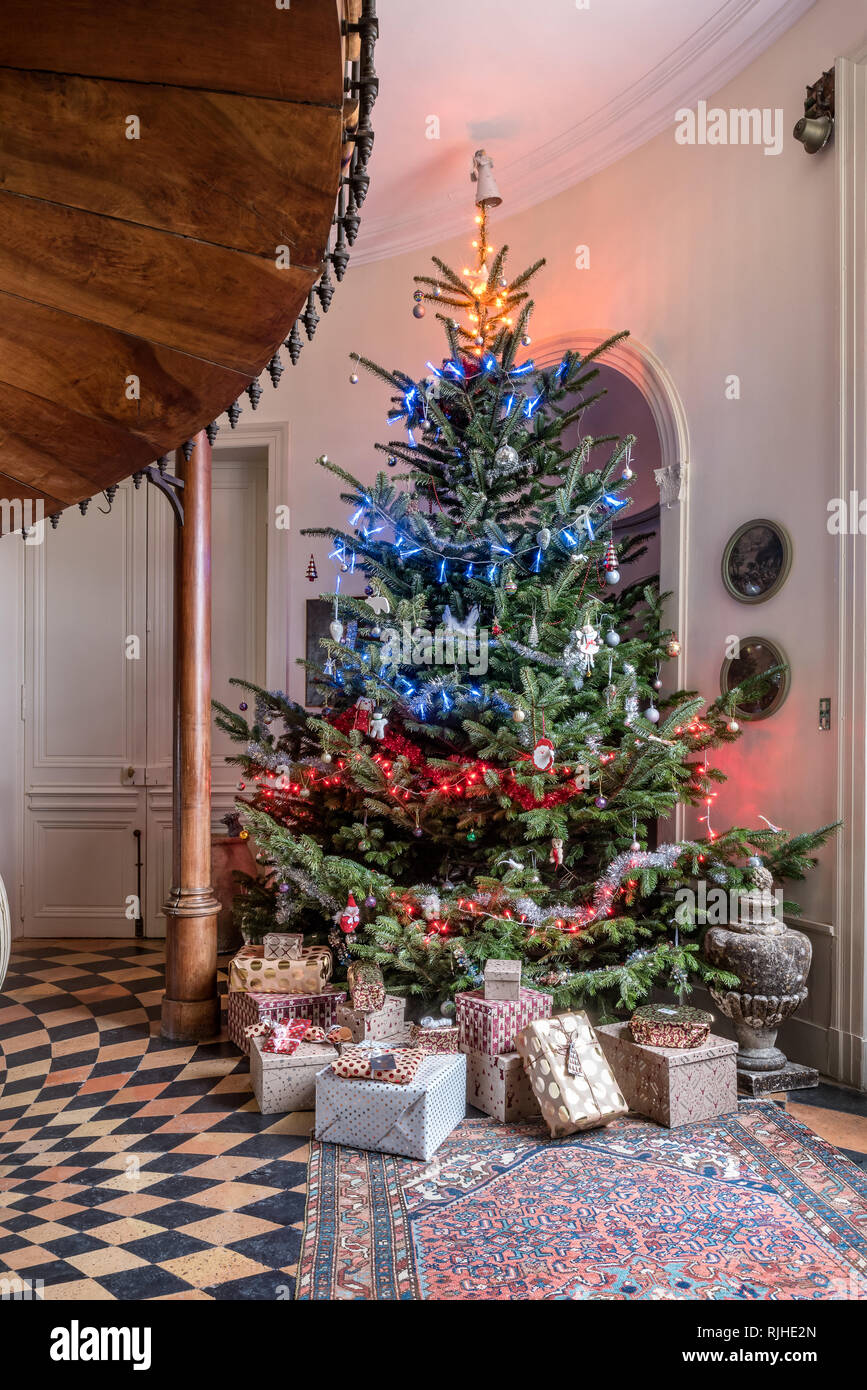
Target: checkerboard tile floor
132, 1168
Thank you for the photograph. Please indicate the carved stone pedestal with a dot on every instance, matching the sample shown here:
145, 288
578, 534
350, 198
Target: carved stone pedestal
772, 963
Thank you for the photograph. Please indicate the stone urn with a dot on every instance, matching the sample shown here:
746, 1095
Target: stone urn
772, 963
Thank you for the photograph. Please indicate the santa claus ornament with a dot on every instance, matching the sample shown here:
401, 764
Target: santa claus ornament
543, 755
350, 917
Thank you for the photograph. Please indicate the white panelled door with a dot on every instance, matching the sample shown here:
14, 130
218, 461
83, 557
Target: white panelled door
97, 707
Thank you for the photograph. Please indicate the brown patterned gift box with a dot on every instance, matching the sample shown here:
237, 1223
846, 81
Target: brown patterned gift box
490, 1025
570, 1077
309, 975
502, 979
245, 1008
500, 1086
282, 945
435, 1039
673, 1085
382, 1023
282, 1084
366, 987
670, 1025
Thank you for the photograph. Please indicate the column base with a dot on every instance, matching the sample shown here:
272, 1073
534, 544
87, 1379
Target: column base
185, 1020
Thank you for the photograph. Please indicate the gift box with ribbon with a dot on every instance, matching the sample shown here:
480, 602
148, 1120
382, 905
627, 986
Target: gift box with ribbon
396, 1066
282, 945
490, 1025
366, 987
284, 1038
412, 1120
286, 1082
670, 1025
381, 1023
251, 971
571, 1079
245, 1008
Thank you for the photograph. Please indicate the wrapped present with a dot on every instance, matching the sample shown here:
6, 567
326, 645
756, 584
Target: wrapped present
282, 945
335, 1035
285, 1083
503, 979
251, 971
500, 1086
285, 1038
412, 1120
571, 1079
366, 987
673, 1085
491, 1025
245, 1008
435, 1039
670, 1025
382, 1023
396, 1066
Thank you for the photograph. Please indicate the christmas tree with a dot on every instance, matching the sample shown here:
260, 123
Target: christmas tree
495, 749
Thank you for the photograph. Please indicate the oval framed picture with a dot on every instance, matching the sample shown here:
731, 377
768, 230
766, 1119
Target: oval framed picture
756, 655
756, 560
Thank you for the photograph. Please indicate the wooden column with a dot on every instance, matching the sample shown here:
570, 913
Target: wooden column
191, 1010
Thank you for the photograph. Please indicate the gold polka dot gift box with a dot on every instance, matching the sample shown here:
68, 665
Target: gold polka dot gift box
571, 1079
251, 970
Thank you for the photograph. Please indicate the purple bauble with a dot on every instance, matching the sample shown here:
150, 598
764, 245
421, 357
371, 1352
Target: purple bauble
602, 802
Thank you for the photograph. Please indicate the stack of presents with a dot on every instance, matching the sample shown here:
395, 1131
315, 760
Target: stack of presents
378, 1082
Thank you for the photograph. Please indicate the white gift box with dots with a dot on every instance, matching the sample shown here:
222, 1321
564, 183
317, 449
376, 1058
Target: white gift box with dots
571, 1079
410, 1120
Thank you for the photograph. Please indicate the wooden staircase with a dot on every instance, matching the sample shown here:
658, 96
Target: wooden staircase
168, 179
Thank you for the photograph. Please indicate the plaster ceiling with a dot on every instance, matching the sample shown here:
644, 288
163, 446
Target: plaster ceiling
552, 91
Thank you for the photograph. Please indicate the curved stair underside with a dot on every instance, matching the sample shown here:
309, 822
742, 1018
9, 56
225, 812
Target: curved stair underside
144, 282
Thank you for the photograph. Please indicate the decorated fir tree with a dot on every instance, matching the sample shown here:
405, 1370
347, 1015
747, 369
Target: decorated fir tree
495, 749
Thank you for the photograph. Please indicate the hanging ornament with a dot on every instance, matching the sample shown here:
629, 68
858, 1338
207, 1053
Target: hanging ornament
657, 681
733, 726
378, 602
311, 571
543, 538
243, 706
518, 716
370, 901
635, 847
556, 855
430, 906
363, 711
507, 458
418, 311
327, 758
526, 340
582, 648
336, 629
673, 647
651, 714
377, 724
601, 801
609, 564
511, 586
350, 917
496, 629
471, 836
627, 475
612, 638
533, 636
353, 378
543, 754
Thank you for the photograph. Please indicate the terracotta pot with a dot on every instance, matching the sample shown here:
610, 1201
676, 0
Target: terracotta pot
229, 853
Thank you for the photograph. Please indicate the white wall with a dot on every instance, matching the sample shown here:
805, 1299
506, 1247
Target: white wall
722, 260
11, 601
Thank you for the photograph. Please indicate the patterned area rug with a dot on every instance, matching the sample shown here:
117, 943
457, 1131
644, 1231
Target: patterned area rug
754, 1206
